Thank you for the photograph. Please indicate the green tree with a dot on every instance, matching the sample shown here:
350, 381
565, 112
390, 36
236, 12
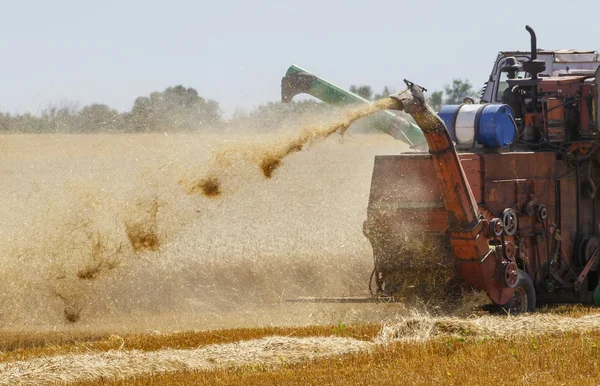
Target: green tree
141, 114
364, 91
453, 94
384, 94
458, 91
5, 123
99, 117
436, 99
173, 109
54, 118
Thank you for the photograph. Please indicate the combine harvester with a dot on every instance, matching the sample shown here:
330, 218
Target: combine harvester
508, 186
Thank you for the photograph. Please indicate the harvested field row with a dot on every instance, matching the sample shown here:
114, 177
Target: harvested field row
418, 332
117, 364
566, 359
21, 346
420, 328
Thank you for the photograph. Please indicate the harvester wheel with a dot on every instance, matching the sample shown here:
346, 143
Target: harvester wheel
523, 299
510, 221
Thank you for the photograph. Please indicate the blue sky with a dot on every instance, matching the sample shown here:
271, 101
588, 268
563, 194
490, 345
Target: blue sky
236, 51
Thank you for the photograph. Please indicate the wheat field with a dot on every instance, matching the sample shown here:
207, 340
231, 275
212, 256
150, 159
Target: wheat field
114, 272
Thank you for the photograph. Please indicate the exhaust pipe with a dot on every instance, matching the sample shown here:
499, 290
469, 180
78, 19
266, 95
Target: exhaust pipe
533, 42
534, 66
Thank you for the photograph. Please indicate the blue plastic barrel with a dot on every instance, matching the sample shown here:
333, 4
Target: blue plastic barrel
496, 126
493, 123
448, 115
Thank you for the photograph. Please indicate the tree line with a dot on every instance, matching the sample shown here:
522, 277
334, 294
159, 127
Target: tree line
175, 108
179, 108
452, 93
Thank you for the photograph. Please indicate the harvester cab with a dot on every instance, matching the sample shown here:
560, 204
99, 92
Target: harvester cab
505, 201
556, 63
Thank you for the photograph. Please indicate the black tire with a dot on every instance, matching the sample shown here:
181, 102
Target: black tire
524, 296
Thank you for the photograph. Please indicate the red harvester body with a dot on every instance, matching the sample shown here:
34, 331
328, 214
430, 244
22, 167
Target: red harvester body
516, 204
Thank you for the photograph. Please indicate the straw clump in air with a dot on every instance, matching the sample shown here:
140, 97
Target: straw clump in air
142, 231
270, 157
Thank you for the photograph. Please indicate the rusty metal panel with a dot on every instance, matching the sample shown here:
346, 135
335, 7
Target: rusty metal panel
512, 179
568, 215
471, 164
405, 191
522, 165
403, 179
411, 178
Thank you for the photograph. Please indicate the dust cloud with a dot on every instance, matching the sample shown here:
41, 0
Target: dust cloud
269, 156
98, 233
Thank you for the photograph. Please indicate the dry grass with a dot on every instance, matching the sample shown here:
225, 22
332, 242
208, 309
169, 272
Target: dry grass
119, 364
538, 349
566, 359
115, 356
421, 327
15, 345
423, 348
26, 345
